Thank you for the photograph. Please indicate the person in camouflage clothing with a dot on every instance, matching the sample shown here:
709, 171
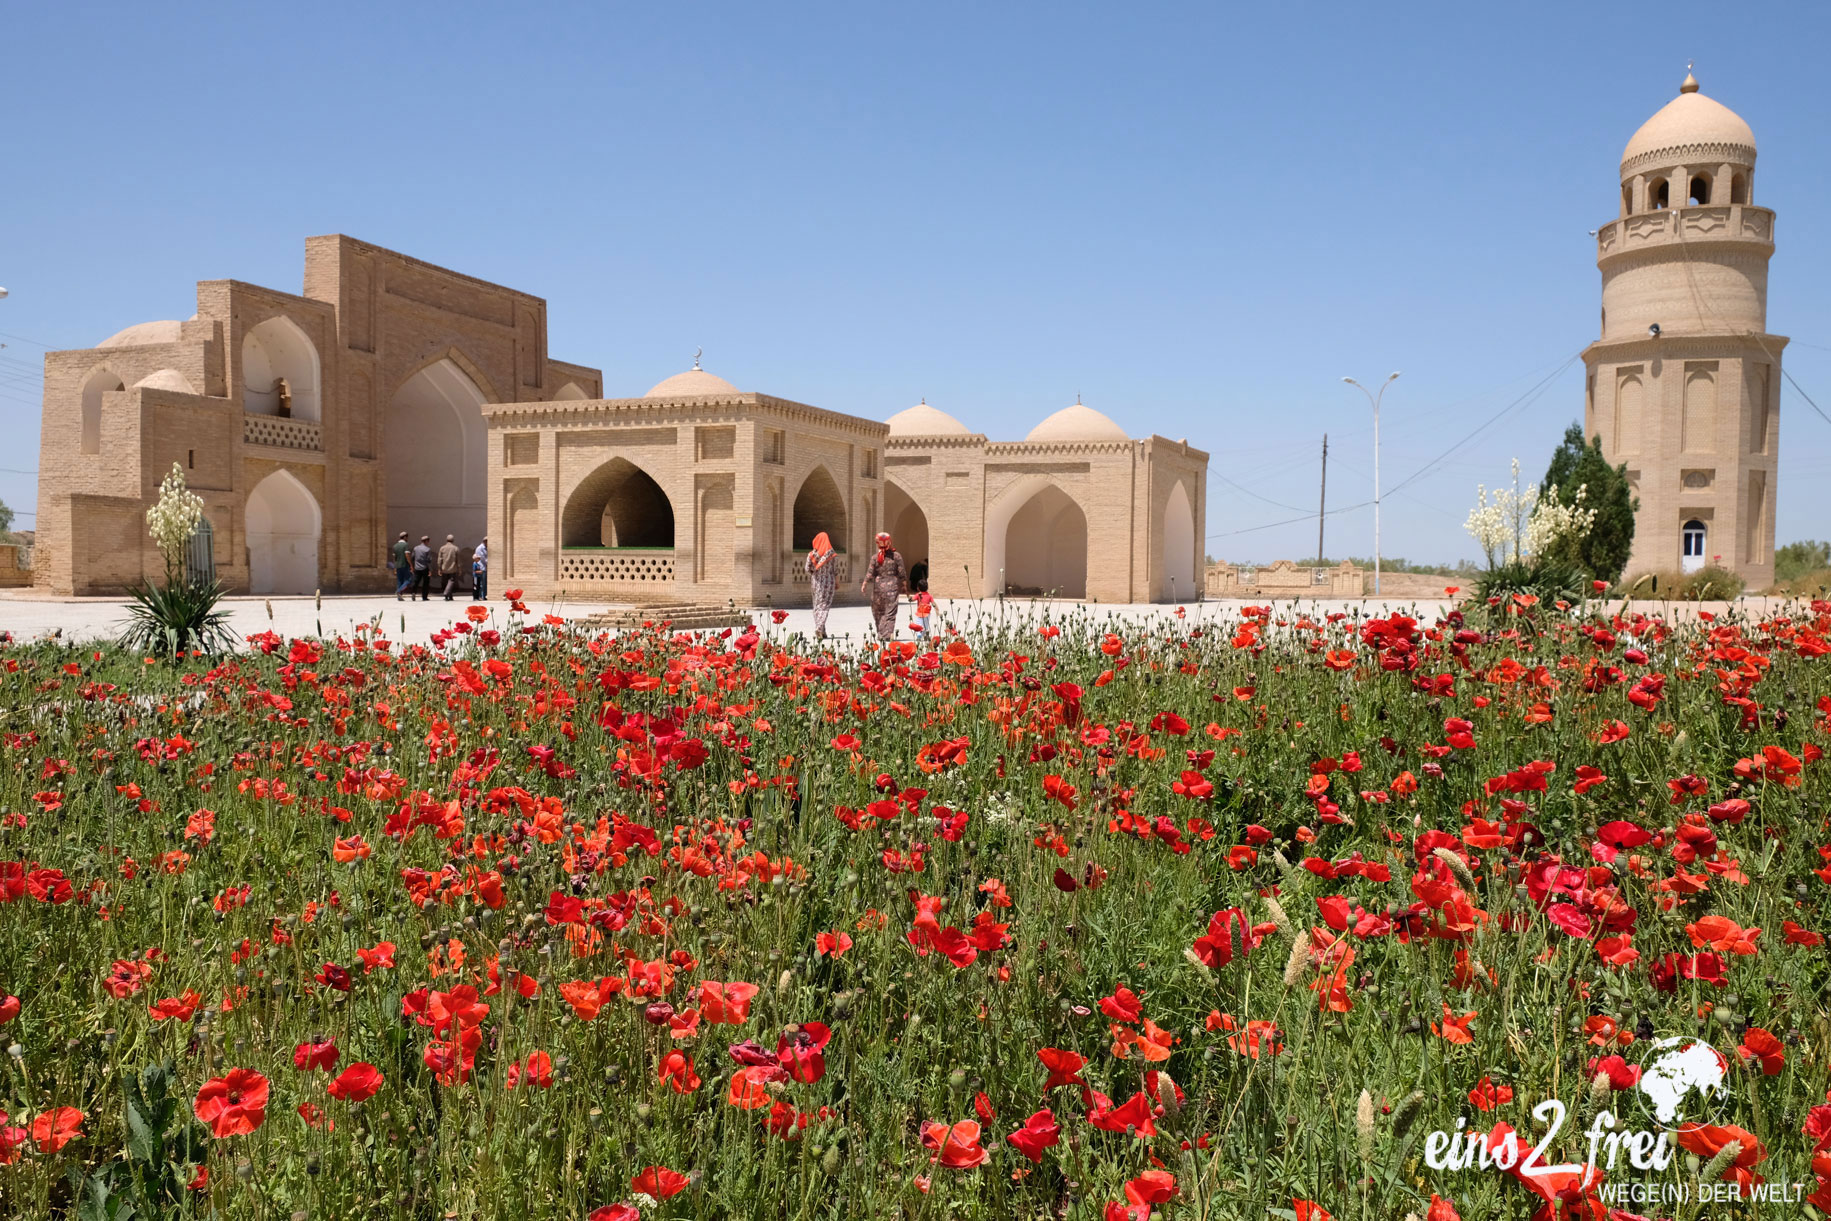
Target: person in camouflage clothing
884, 581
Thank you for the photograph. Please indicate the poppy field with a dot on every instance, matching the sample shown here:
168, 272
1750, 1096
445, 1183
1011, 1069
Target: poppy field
1223, 914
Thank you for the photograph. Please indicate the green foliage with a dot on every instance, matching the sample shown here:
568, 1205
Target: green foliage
1550, 581
1602, 551
163, 1152
176, 618
1711, 584
1800, 559
6, 519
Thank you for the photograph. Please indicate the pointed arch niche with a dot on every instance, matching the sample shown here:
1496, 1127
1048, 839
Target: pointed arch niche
279, 349
1178, 581
282, 524
436, 449
1036, 541
907, 524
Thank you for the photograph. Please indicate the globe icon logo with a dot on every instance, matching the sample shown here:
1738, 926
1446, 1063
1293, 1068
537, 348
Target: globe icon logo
1676, 1068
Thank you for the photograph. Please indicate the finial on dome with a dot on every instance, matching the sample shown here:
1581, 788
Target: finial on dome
696, 355
1077, 398
1690, 85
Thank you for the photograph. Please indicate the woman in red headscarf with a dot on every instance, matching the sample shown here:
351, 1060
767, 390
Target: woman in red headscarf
823, 578
884, 581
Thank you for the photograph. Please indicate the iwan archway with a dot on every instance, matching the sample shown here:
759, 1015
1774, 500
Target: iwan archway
282, 524
436, 449
1036, 542
907, 524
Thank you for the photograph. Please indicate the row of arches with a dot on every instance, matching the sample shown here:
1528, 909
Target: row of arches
1699, 187
1036, 534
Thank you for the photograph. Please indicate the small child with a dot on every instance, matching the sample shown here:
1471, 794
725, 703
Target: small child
925, 606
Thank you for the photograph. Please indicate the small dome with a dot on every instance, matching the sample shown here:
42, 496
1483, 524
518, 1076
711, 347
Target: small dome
925, 421
1690, 119
694, 383
167, 379
1077, 423
142, 334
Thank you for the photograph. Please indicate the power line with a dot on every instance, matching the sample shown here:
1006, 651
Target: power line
1272, 525
1249, 492
1521, 401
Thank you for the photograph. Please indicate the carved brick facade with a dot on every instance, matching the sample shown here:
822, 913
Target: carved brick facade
1684, 384
384, 359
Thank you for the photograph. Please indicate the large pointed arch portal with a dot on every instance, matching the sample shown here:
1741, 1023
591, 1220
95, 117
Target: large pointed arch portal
435, 443
1036, 541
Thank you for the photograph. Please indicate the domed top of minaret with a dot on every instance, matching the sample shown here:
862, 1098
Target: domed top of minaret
1690, 124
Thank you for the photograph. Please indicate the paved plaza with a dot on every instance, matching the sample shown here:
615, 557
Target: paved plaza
28, 616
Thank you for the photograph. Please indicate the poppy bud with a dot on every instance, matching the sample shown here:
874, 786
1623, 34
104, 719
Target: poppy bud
658, 1013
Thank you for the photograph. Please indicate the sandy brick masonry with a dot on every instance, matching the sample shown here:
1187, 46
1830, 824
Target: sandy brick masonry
1692, 410
385, 359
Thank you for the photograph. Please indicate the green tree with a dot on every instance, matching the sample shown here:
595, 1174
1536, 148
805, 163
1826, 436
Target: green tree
6, 520
1603, 550
1791, 562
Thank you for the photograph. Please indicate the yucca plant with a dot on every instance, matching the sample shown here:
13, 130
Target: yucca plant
182, 615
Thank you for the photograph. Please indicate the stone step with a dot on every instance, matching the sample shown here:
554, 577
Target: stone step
677, 617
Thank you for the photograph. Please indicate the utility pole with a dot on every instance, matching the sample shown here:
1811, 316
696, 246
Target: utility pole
1322, 502
1375, 400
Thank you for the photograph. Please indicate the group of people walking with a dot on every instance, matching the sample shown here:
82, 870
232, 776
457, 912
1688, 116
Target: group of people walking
886, 579
414, 567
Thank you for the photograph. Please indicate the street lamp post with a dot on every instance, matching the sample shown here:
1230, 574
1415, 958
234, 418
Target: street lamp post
1375, 400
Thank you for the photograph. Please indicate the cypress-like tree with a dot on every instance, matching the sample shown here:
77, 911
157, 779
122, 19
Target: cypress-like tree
1603, 550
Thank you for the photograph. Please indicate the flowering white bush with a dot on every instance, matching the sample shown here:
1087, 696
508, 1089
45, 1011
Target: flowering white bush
174, 517
1517, 527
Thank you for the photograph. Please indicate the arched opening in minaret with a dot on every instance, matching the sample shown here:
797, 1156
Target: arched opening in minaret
1627, 198
1738, 189
1700, 190
1659, 194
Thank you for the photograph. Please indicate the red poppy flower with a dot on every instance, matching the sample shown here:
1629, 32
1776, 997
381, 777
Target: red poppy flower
357, 1083
677, 1071
1123, 1005
175, 1008
1486, 1095
1064, 1067
9, 1008
726, 1004
1455, 1029
1151, 1187
614, 1212
955, 1146
1760, 1045
1135, 1114
801, 1050
307, 1056
659, 1182
233, 1104
57, 1127
1039, 1132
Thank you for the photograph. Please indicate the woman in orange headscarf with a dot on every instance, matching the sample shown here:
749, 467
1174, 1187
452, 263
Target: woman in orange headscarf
823, 578
884, 581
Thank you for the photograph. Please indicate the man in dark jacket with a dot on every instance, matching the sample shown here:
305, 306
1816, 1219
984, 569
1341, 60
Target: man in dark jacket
422, 569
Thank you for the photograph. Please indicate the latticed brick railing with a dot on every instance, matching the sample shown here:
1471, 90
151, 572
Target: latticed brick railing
281, 432
796, 564
617, 565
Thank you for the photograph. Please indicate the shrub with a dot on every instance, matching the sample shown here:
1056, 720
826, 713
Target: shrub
1710, 584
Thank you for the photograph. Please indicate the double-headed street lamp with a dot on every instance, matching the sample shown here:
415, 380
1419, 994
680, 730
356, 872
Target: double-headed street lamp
1375, 400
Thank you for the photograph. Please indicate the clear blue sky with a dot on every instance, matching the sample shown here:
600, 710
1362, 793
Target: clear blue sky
1197, 217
